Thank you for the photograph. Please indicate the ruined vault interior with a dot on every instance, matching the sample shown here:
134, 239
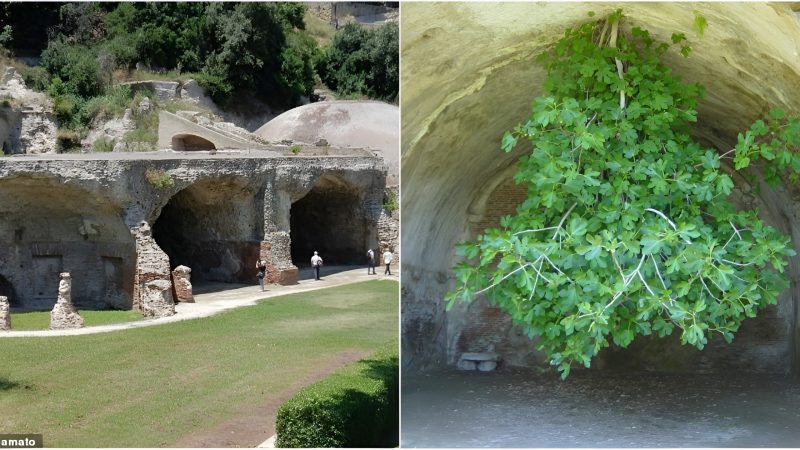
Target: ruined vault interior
470, 75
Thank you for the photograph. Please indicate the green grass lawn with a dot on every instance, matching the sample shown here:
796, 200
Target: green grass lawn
150, 386
40, 320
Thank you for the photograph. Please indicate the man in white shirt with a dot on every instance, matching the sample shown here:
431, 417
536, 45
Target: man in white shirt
387, 259
370, 261
316, 263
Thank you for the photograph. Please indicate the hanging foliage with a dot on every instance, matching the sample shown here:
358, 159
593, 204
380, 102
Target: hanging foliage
627, 229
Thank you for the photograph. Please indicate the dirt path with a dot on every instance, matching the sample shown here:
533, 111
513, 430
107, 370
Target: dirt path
252, 426
212, 299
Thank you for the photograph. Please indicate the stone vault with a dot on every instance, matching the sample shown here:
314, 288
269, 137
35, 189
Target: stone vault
469, 74
120, 223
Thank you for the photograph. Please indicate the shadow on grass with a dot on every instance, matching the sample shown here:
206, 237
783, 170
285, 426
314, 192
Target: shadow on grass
7, 385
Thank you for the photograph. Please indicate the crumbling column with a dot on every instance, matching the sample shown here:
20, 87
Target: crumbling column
64, 315
152, 264
276, 247
156, 299
276, 251
5, 314
181, 277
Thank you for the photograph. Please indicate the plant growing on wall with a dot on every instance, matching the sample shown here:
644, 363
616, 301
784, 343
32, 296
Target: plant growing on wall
626, 229
159, 178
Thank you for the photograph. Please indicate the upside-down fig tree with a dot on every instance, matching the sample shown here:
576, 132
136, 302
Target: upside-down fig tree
627, 228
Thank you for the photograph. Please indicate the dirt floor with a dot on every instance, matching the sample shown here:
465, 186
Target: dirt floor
516, 408
251, 427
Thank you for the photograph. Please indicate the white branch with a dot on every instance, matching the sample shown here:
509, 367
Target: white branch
707, 289
645, 284
671, 223
658, 272
534, 231
563, 219
522, 267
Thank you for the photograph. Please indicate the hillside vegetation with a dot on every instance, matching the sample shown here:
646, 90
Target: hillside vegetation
234, 50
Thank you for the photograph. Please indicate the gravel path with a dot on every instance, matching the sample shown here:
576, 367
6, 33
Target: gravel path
599, 409
214, 298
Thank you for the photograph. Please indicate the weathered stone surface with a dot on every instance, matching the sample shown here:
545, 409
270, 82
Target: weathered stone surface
64, 316
466, 365
26, 123
182, 134
487, 366
181, 281
462, 97
156, 299
5, 314
88, 205
343, 124
164, 90
152, 294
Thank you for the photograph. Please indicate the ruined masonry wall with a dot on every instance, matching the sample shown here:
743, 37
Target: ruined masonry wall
152, 294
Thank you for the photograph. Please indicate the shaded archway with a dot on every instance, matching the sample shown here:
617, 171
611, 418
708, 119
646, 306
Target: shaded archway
213, 227
329, 219
191, 142
7, 290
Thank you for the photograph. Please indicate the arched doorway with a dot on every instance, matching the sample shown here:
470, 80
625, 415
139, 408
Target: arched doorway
7, 290
213, 227
329, 219
191, 142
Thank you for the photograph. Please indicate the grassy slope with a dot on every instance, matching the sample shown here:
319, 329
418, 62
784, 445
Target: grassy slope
320, 30
148, 387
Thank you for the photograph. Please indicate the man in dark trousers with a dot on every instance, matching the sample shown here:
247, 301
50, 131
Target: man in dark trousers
316, 263
370, 261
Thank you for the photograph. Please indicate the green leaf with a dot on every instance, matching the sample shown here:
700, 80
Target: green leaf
700, 23
509, 142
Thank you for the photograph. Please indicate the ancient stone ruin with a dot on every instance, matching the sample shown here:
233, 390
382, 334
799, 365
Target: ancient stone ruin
213, 199
5, 314
181, 282
64, 316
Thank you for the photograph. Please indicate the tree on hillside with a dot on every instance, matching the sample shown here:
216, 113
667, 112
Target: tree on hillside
363, 61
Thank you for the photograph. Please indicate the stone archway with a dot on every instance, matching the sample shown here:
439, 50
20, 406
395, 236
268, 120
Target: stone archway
214, 227
7, 290
191, 142
464, 98
329, 219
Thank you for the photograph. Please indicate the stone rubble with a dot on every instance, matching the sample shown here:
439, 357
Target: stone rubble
181, 281
152, 289
64, 316
5, 314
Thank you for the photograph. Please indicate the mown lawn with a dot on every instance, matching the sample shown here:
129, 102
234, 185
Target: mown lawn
40, 320
150, 386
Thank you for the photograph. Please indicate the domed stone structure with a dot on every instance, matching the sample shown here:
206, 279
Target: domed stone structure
342, 124
470, 74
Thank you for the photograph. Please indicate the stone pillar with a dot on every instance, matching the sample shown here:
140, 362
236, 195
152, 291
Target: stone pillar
157, 299
182, 285
5, 314
275, 250
152, 264
64, 315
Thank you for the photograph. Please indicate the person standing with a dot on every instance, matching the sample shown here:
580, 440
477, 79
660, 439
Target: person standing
316, 263
370, 261
261, 265
387, 259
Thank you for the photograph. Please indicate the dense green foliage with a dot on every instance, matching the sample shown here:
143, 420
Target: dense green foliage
627, 229
355, 407
362, 61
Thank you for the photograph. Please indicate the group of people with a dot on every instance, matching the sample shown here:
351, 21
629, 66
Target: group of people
316, 264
